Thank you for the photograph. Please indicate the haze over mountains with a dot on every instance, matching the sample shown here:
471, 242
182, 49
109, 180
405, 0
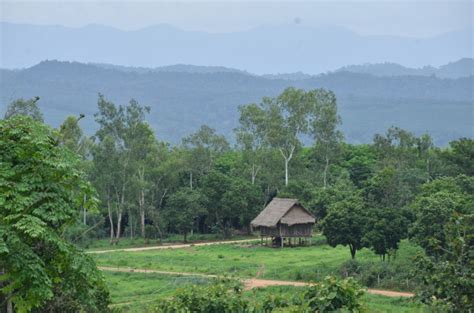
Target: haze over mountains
262, 50
184, 97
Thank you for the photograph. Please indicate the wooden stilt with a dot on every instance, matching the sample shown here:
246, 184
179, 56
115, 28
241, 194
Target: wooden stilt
282, 239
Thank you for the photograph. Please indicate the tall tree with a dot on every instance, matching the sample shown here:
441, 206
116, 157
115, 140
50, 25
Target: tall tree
121, 128
202, 149
25, 107
324, 123
278, 122
72, 137
39, 184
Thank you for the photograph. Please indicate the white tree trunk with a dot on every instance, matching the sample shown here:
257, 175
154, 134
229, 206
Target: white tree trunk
84, 214
111, 220
326, 167
287, 159
255, 170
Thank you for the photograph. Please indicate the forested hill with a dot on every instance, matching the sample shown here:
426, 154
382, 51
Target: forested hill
461, 68
181, 101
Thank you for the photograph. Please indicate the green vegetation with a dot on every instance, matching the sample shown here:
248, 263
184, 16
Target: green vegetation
400, 197
139, 292
41, 185
251, 260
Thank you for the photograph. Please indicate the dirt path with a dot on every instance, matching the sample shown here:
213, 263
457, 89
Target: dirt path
176, 246
249, 283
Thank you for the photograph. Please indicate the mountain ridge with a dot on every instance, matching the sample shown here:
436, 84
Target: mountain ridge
182, 101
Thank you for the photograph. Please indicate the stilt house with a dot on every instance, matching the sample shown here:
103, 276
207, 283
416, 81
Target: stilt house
284, 218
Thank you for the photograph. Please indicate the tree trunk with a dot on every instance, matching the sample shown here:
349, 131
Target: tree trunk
287, 160
185, 236
119, 226
111, 220
84, 210
326, 167
255, 170
191, 180
9, 306
142, 213
142, 224
353, 251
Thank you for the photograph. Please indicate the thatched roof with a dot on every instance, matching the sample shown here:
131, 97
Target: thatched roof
286, 211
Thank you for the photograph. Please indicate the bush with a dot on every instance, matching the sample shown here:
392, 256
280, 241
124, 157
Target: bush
333, 294
225, 296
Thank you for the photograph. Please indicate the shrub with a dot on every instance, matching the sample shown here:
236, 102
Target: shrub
225, 296
333, 294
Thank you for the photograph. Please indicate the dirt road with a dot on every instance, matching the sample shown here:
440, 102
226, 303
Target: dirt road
249, 283
176, 246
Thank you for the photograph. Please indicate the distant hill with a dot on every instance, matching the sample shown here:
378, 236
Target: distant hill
461, 68
262, 50
177, 68
181, 101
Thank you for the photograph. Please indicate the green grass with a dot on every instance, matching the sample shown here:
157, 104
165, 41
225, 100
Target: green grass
138, 292
301, 263
104, 244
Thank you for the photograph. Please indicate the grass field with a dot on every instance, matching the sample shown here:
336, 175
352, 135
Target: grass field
251, 260
137, 292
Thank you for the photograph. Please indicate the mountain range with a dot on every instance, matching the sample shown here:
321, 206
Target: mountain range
261, 50
184, 97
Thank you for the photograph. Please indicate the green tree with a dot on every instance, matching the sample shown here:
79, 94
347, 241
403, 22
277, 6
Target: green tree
278, 122
324, 123
72, 136
345, 223
243, 201
448, 282
459, 156
183, 208
384, 229
120, 150
202, 149
24, 107
41, 186
433, 208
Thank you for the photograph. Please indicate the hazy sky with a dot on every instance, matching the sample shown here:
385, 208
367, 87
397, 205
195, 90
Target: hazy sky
420, 18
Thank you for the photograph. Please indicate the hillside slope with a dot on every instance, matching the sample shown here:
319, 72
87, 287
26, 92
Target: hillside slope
182, 101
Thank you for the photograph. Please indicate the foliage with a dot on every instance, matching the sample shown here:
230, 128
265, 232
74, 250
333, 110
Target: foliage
213, 299
24, 107
327, 296
331, 295
344, 224
460, 156
448, 281
183, 208
383, 230
41, 186
433, 208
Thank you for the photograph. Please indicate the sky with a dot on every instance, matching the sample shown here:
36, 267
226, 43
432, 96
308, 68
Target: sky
418, 19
